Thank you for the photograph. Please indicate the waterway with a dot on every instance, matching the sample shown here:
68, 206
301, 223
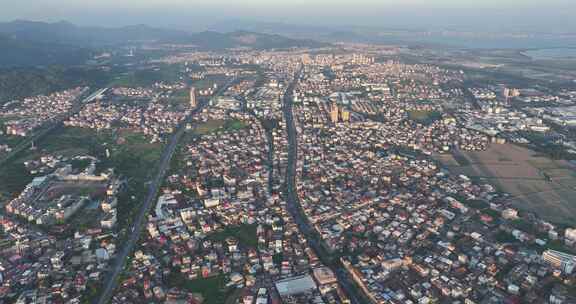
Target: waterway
551, 54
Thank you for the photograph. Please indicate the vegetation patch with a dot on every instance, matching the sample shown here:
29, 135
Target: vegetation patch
216, 125
424, 117
209, 126
147, 77
213, 289
233, 125
246, 234
135, 159
17, 83
13, 178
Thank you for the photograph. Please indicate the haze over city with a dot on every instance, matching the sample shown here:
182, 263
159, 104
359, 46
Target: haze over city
488, 15
287, 152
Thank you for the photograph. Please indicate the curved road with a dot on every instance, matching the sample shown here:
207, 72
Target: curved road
293, 203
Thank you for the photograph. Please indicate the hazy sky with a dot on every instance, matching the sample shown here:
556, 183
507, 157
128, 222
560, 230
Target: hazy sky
544, 15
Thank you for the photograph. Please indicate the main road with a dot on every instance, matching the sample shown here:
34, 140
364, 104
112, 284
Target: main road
293, 202
140, 220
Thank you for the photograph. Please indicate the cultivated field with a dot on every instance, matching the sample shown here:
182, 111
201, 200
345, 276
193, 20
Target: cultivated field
537, 183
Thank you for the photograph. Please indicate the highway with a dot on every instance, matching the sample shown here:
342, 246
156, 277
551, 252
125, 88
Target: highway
140, 220
50, 126
293, 203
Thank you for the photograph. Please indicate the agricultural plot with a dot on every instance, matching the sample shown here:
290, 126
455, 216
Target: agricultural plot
537, 183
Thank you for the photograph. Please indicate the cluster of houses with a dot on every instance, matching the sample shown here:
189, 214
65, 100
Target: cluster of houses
408, 230
66, 260
218, 218
23, 117
148, 116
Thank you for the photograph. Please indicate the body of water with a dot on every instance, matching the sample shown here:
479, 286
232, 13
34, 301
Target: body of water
556, 53
531, 43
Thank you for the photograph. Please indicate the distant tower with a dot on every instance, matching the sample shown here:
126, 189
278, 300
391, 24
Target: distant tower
345, 115
193, 103
506, 94
334, 113
510, 93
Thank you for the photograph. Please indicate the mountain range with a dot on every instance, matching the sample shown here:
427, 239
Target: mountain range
40, 43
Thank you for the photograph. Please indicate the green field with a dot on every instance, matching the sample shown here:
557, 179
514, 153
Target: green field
217, 125
10, 140
13, 178
213, 289
135, 159
67, 141
209, 126
179, 100
74, 141
424, 117
233, 125
147, 77
246, 234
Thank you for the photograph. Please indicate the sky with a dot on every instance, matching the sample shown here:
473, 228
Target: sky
477, 15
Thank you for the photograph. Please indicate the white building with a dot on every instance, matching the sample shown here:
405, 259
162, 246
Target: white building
295, 286
560, 260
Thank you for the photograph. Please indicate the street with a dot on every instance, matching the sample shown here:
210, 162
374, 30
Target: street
293, 203
140, 220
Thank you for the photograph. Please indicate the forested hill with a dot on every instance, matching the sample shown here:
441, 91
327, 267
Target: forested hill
16, 83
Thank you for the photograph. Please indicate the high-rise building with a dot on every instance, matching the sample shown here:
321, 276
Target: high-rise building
510, 93
560, 260
193, 103
345, 115
334, 113
570, 236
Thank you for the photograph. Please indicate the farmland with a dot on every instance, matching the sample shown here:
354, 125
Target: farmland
535, 182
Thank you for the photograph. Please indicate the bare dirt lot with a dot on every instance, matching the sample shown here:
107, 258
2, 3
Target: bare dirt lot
537, 183
83, 188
